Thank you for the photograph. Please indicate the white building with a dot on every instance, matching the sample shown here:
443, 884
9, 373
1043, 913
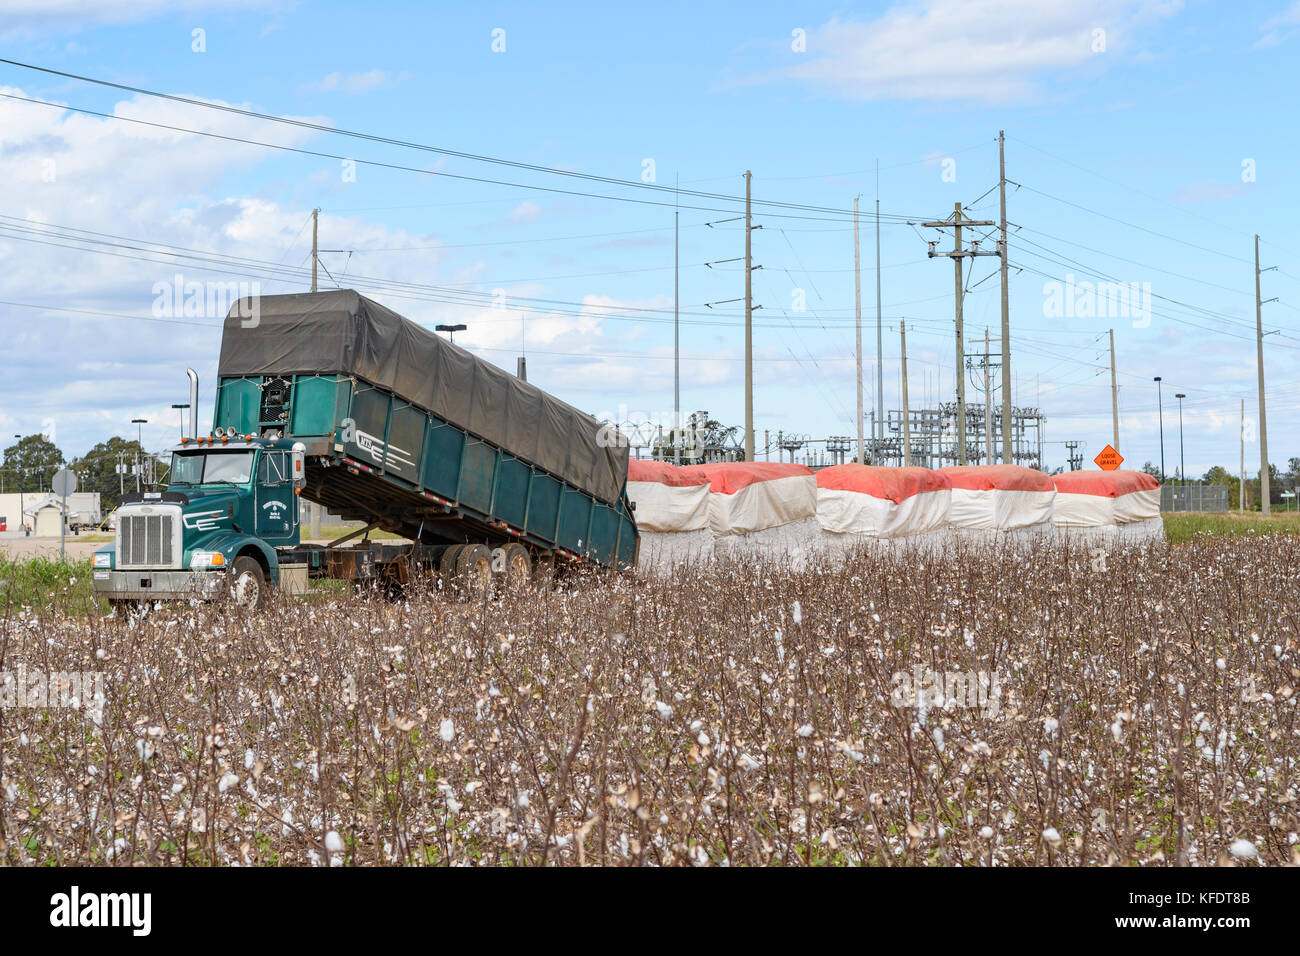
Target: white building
84, 510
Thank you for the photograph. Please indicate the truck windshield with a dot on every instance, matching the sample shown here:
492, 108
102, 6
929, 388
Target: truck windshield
211, 468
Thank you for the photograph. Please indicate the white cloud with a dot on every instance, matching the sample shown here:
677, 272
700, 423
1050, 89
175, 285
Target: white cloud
526, 211
1279, 28
92, 373
357, 82
40, 16
968, 50
1208, 192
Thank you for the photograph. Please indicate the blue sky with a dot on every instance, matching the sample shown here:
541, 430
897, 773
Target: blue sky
1149, 152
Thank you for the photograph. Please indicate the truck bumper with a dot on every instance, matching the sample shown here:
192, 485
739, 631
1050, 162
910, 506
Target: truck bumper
159, 585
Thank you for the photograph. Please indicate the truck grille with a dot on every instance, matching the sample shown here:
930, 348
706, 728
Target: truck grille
147, 540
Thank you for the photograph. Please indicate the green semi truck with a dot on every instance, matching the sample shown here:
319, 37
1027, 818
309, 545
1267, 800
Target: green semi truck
332, 397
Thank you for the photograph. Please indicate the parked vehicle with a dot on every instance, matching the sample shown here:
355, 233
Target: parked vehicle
338, 399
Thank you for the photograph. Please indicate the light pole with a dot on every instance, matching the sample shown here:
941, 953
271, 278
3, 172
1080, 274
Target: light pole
1182, 463
139, 447
22, 515
1161, 405
181, 409
451, 330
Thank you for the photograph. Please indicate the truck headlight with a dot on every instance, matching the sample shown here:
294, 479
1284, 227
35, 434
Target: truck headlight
208, 559
103, 559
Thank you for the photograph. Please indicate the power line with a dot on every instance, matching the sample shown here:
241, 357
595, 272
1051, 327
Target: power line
1131, 225
409, 144
320, 154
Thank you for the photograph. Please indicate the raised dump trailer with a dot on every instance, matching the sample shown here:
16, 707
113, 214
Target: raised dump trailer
334, 397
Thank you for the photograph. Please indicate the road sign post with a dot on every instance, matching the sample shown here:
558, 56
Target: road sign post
64, 484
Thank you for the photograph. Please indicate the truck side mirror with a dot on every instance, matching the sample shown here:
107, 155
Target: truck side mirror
298, 465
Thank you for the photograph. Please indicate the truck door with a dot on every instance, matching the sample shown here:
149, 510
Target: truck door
277, 506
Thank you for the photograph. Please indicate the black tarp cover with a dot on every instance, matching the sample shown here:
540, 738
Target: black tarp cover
343, 332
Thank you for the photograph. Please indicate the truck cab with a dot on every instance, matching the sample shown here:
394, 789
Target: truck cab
231, 501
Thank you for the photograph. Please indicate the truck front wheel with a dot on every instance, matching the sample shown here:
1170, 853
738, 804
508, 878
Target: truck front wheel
248, 583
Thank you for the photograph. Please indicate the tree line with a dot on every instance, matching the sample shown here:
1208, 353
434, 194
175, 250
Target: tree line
30, 463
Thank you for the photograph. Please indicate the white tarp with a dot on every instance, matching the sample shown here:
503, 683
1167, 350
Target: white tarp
1002, 497
998, 505
1095, 498
667, 499
1107, 508
745, 497
879, 502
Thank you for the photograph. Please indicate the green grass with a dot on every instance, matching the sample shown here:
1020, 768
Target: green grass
46, 582
328, 532
1183, 526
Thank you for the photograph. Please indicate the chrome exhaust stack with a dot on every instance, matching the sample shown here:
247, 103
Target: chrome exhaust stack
194, 402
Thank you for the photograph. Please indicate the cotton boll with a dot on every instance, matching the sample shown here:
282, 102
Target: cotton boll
447, 730
1243, 849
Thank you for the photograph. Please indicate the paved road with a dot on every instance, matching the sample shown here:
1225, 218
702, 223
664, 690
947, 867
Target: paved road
16, 545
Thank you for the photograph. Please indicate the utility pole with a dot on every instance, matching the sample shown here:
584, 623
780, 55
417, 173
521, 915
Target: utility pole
857, 310
1114, 396
1263, 424
1241, 485
961, 342
957, 254
1160, 405
677, 345
1182, 459
907, 429
988, 404
880, 348
749, 334
1006, 311
315, 215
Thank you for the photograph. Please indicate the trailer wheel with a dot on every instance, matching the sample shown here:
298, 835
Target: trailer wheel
519, 566
248, 583
447, 564
474, 569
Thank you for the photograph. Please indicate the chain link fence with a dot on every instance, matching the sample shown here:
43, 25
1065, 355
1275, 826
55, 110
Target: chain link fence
1194, 497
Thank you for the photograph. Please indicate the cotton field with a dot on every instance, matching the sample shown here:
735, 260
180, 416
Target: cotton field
974, 706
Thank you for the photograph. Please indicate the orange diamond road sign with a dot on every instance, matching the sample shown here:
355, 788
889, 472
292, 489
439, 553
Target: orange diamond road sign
1108, 459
